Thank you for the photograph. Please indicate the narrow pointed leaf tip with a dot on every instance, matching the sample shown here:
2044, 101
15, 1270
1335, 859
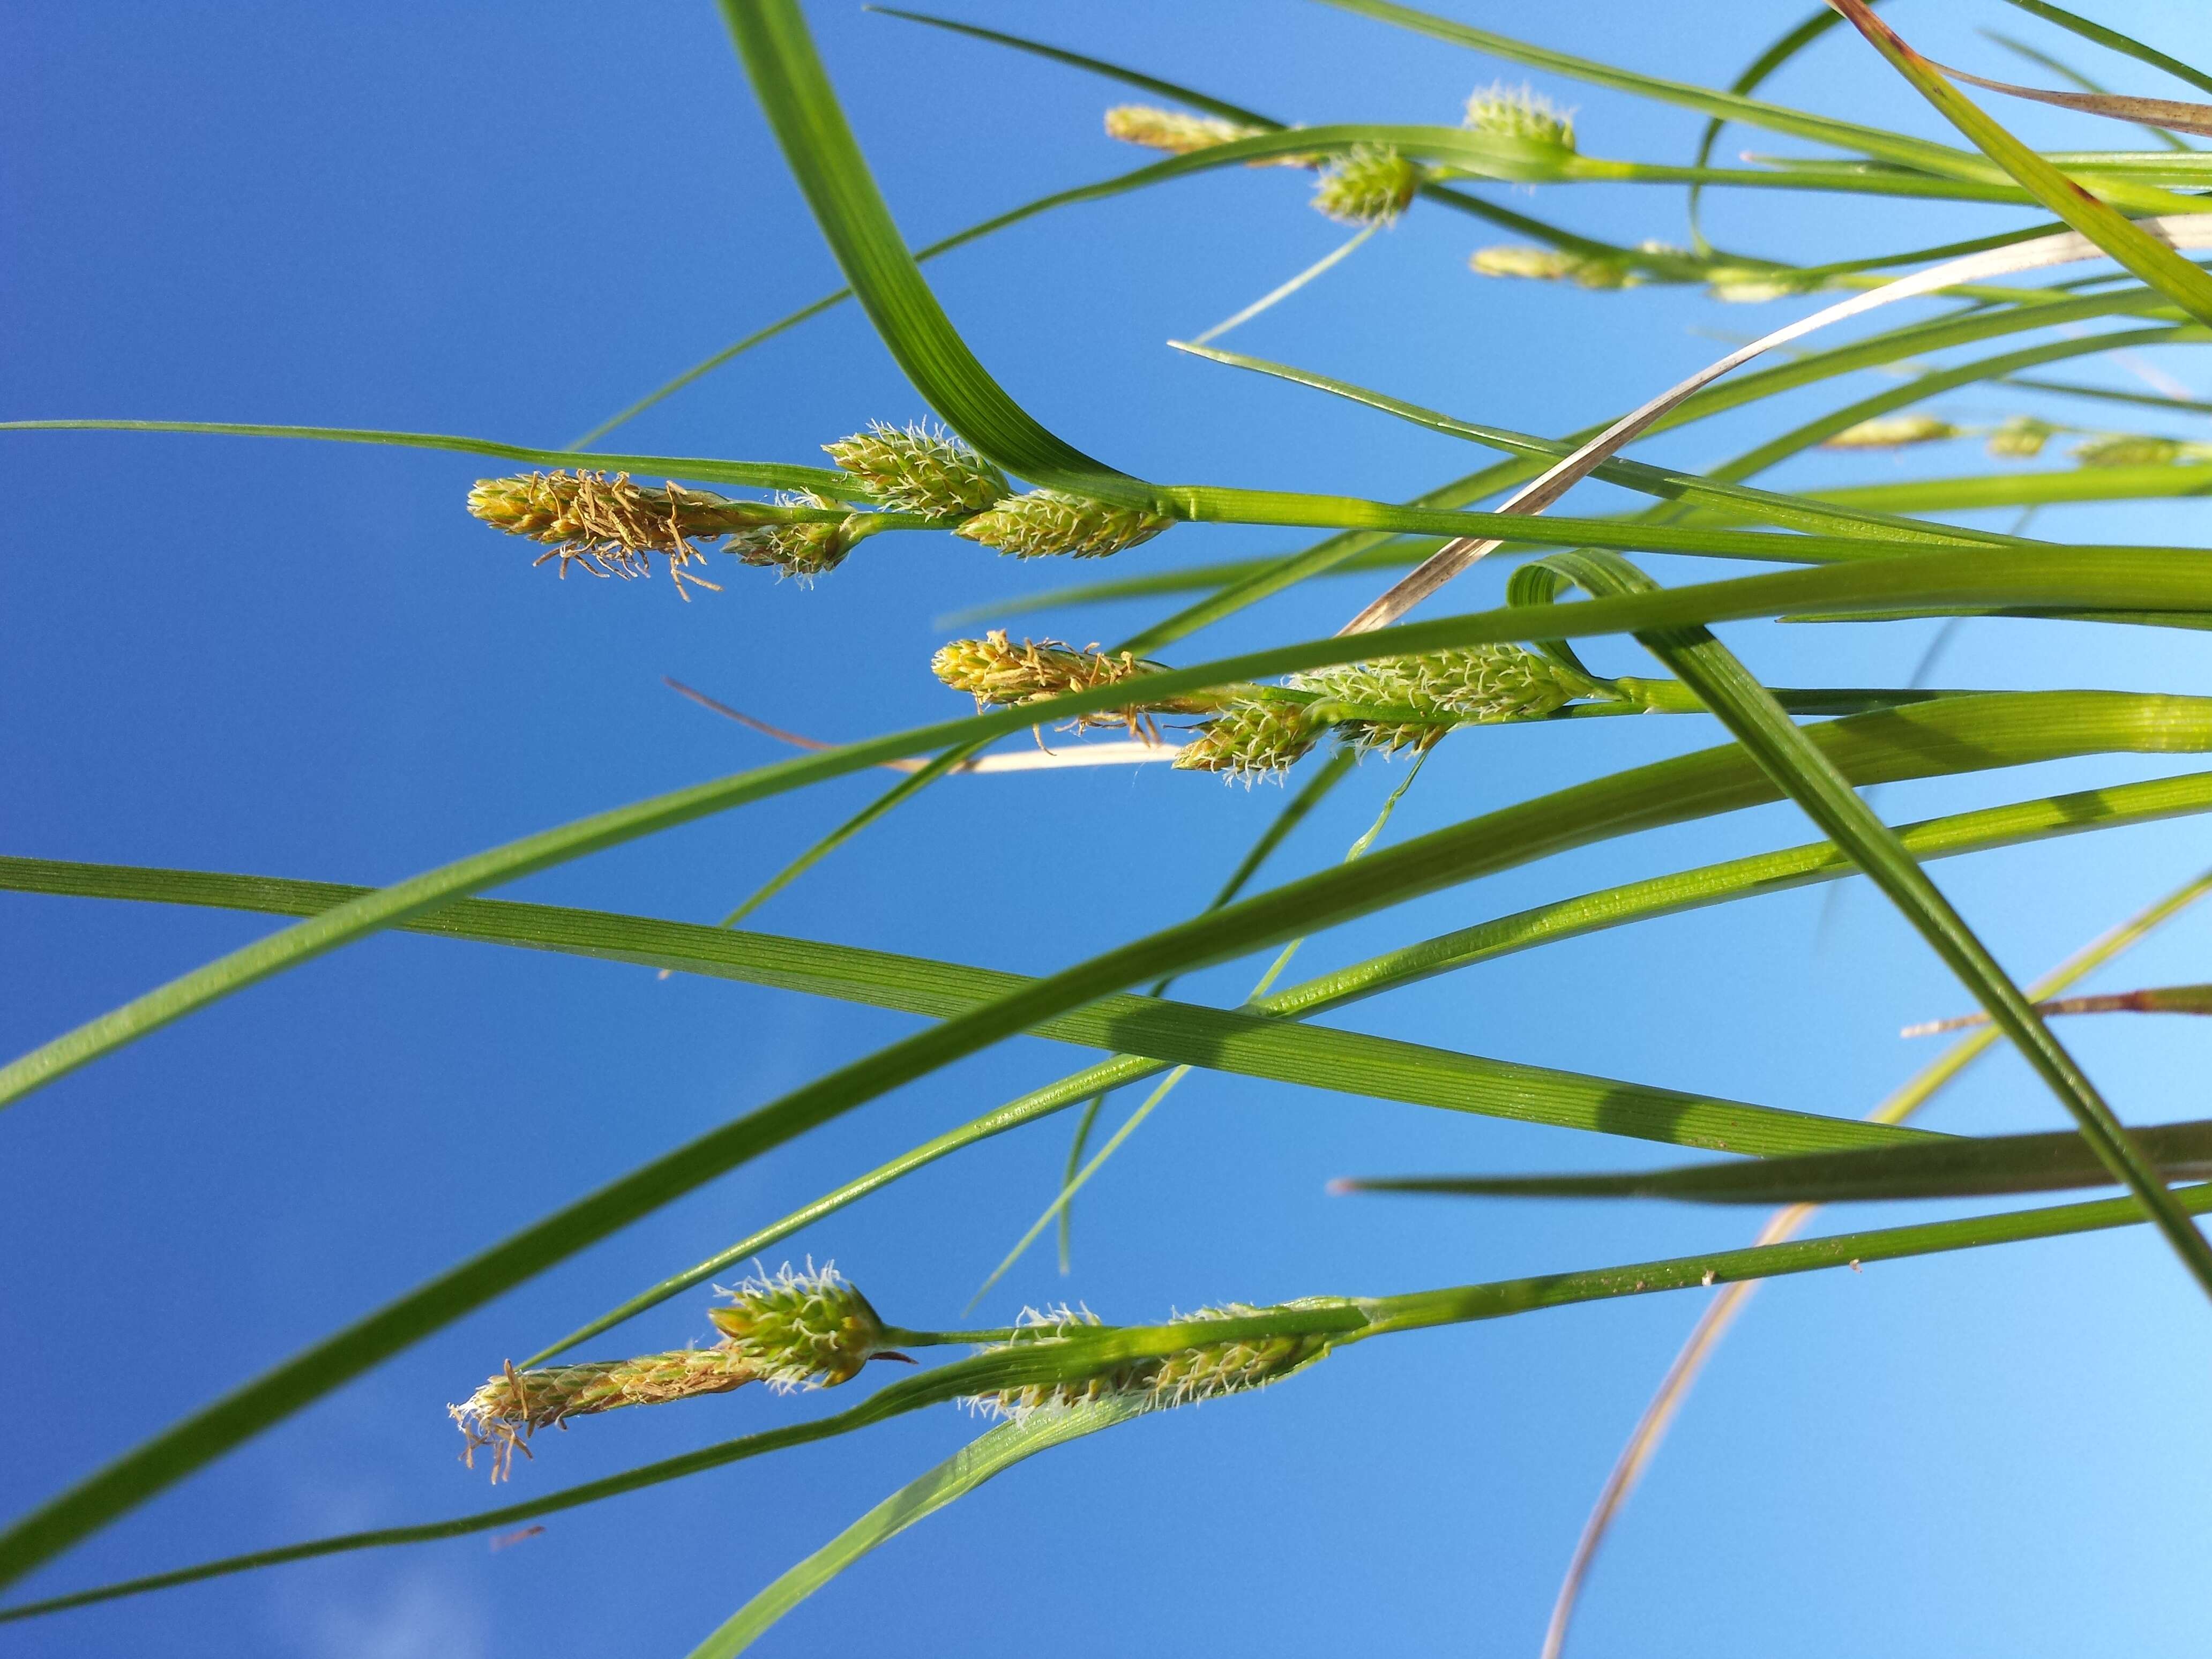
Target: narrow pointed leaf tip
2172, 114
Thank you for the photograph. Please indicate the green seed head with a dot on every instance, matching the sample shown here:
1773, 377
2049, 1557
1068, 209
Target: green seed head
502, 1414
1251, 738
1047, 522
805, 550
609, 524
797, 1327
1189, 1376
2124, 451
1480, 685
1892, 432
1553, 265
1173, 130
1521, 113
918, 470
1746, 287
1371, 185
2023, 437
1000, 674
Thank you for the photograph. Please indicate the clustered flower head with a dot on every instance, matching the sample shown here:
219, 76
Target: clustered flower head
1553, 265
1387, 704
1000, 674
1368, 184
1892, 432
613, 525
2125, 450
797, 1327
1186, 1377
2022, 437
1746, 285
1045, 523
786, 1332
1177, 131
610, 524
1478, 685
806, 549
918, 471
1255, 737
1519, 111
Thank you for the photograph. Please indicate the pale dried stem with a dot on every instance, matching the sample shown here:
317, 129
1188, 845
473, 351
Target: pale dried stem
2178, 230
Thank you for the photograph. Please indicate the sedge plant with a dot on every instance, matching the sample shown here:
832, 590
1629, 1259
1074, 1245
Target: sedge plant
2097, 256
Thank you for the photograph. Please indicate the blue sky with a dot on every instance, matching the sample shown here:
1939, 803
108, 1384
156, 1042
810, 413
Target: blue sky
306, 660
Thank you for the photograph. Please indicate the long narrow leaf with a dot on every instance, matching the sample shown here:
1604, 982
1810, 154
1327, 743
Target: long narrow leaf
1955, 1169
1760, 724
1368, 1317
989, 1455
2141, 251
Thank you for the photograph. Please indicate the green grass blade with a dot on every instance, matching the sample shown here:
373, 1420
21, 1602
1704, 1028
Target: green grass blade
979, 1460
1719, 1314
2112, 394
1940, 159
2125, 45
889, 801
2147, 580
795, 94
1294, 812
2134, 248
1107, 1346
1811, 512
495, 922
1419, 865
1137, 78
1799, 438
764, 475
1762, 727
1754, 75
1988, 489
1962, 1168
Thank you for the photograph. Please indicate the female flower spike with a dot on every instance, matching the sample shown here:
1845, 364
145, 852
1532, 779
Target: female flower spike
1368, 185
786, 1332
1189, 1376
918, 470
1045, 523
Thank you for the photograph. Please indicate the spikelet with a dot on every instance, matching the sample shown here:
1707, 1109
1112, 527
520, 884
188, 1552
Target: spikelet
508, 1410
1252, 738
785, 1332
1175, 131
1048, 522
1000, 674
610, 526
797, 1327
2130, 451
1188, 1376
2023, 437
1371, 185
805, 549
1553, 265
1480, 685
918, 471
1892, 432
1520, 111
1742, 286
